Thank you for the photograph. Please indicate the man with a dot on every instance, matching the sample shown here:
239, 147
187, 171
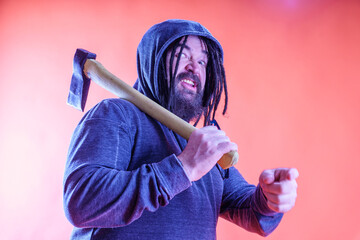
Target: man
130, 177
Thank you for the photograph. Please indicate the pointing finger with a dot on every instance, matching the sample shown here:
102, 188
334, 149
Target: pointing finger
293, 173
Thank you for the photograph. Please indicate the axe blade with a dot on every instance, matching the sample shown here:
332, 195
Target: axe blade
79, 86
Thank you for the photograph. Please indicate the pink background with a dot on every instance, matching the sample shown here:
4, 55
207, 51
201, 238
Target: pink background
293, 70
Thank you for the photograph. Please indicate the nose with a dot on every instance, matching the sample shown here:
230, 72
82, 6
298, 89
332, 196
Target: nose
192, 67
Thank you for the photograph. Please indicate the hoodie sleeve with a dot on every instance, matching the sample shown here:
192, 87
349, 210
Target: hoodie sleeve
99, 191
245, 205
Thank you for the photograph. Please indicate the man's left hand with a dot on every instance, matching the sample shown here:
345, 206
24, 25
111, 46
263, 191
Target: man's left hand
280, 188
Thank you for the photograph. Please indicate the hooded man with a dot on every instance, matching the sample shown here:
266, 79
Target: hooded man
129, 177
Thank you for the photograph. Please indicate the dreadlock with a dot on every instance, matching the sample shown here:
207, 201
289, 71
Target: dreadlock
215, 82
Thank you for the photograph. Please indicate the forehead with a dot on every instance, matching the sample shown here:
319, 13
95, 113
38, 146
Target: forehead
193, 44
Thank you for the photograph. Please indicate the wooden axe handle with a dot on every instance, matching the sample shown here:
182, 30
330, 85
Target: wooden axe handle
98, 74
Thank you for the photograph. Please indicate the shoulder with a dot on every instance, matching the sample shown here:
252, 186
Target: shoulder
111, 115
113, 109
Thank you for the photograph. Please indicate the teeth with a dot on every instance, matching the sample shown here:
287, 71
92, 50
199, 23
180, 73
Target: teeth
188, 81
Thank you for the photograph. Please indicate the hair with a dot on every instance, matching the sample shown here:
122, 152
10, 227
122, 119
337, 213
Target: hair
215, 79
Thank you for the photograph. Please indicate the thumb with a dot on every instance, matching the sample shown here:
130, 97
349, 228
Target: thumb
267, 176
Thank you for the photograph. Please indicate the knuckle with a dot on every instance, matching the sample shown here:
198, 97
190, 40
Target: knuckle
282, 188
279, 199
207, 145
275, 199
211, 151
201, 138
276, 207
280, 208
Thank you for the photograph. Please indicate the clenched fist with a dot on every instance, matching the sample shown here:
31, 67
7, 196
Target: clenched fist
205, 147
280, 188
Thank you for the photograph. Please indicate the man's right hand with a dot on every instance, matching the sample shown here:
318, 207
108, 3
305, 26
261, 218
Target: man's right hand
205, 147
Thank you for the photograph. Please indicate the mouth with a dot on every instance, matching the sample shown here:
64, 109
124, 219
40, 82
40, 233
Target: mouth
190, 86
189, 83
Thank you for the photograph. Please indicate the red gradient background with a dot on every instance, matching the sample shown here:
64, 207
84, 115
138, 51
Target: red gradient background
293, 70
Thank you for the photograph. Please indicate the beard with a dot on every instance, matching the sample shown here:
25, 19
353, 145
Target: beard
184, 107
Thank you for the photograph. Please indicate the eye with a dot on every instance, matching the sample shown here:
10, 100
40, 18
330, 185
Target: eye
202, 62
182, 55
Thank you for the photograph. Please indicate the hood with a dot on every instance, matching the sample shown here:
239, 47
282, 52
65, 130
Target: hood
152, 47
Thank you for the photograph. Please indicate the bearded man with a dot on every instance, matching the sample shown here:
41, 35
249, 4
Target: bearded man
130, 177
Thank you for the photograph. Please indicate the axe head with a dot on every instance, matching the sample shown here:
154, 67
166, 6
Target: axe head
80, 84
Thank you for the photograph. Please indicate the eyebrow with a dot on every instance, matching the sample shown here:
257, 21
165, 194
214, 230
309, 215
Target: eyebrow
189, 48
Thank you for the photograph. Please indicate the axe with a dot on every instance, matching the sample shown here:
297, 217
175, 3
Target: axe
84, 62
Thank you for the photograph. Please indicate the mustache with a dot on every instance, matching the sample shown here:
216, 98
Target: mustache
191, 76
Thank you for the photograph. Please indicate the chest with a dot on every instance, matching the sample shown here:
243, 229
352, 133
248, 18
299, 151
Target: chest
152, 142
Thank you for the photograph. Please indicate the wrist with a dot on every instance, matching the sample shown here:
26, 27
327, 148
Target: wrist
185, 167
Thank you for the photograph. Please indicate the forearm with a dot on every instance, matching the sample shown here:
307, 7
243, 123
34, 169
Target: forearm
100, 189
245, 205
266, 219
96, 196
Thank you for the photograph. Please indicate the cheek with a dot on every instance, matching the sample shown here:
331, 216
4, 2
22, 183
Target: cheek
203, 79
167, 64
181, 66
